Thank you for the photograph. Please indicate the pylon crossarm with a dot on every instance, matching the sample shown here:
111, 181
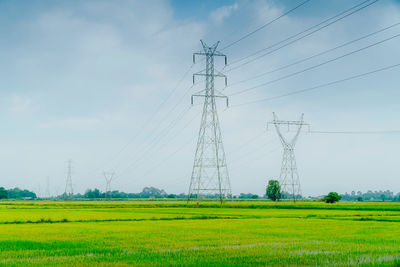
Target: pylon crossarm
218, 96
209, 75
293, 142
205, 74
208, 49
192, 98
281, 137
280, 122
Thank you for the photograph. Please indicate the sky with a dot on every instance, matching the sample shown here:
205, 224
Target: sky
107, 84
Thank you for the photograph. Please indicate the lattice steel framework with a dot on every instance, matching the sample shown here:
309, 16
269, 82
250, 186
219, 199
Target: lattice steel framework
48, 187
210, 173
69, 192
289, 178
108, 176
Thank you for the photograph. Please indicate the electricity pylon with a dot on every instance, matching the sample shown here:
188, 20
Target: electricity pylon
69, 192
210, 173
289, 178
108, 176
48, 187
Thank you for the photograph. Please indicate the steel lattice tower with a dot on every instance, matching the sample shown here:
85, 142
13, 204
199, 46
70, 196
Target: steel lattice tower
289, 178
69, 192
48, 187
108, 176
210, 173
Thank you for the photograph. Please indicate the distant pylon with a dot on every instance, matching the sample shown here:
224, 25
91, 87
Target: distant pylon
48, 187
289, 178
69, 192
108, 176
210, 172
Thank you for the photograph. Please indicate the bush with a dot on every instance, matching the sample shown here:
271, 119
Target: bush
332, 197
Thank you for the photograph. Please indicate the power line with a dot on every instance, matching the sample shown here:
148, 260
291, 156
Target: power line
189, 141
265, 25
168, 157
155, 129
245, 155
251, 140
254, 138
316, 66
302, 37
320, 86
268, 153
155, 140
172, 138
357, 132
304, 31
150, 119
315, 55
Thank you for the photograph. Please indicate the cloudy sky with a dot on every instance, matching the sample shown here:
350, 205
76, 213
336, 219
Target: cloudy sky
100, 82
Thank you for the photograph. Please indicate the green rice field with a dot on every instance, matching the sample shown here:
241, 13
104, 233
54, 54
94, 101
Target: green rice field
174, 233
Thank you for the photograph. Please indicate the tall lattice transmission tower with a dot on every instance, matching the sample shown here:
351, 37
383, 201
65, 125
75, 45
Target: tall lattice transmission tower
289, 178
210, 173
108, 176
69, 192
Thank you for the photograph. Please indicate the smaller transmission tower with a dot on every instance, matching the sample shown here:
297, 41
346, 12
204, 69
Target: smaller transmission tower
47, 187
289, 178
69, 192
108, 176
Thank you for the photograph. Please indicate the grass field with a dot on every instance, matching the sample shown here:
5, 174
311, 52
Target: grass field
165, 233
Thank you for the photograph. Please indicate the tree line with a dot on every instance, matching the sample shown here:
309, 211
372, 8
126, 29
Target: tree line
372, 196
16, 193
273, 192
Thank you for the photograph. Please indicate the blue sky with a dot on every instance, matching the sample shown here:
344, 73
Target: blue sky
81, 80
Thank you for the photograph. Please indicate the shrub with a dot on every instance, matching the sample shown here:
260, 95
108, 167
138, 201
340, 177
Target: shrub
332, 197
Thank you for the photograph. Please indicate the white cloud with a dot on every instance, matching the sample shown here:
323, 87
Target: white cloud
107, 65
266, 10
20, 103
220, 14
73, 123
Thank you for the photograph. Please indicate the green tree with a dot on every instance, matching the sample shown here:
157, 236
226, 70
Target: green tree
274, 190
92, 193
3, 193
332, 197
17, 193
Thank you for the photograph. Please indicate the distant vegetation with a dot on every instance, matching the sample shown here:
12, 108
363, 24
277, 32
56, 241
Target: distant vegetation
274, 194
16, 193
371, 196
147, 192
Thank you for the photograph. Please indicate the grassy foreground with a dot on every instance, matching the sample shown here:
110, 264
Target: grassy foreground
165, 233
